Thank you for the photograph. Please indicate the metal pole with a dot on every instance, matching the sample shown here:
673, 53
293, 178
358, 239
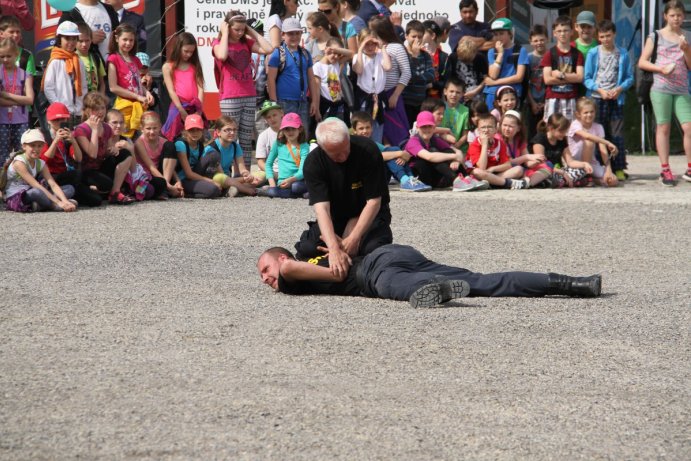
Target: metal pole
643, 36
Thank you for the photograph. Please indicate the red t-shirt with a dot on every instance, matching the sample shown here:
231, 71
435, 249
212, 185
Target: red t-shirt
56, 165
128, 73
564, 64
84, 130
497, 153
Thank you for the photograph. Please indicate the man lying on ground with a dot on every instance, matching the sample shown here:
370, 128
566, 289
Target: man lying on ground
401, 272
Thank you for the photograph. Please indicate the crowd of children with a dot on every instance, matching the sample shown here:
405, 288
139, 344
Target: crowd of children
509, 118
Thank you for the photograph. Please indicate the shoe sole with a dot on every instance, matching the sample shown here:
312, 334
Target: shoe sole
667, 185
435, 294
686, 178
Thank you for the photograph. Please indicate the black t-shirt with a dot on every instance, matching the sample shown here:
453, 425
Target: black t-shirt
348, 185
348, 287
552, 152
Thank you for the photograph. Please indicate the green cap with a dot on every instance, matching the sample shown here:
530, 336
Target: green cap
267, 106
502, 24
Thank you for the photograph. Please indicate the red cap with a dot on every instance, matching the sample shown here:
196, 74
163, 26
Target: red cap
291, 120
425, 118
194, 121
57, 111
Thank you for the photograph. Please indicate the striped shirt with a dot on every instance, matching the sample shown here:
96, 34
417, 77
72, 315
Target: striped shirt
400, 66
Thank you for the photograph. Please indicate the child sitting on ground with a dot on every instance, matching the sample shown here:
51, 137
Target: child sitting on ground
488, 159
584, 137
434, 160
438, 108
23, 190
512, 132
232, 174
506, 100
550, 145
477, 108
290, 150
396, 159
153, 152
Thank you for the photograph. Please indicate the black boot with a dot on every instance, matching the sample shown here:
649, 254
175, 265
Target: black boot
584, 287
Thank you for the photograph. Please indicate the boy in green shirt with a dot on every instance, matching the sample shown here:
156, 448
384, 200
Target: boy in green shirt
11, 28
456, 114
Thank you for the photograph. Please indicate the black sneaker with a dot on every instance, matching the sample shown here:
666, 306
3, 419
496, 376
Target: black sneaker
434, 294
687, 176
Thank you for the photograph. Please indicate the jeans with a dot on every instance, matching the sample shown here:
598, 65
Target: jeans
44, 203
302, 108
296, 190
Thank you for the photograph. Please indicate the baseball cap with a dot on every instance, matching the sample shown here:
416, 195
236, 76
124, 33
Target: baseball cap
143, 58
586, 17
425, 118
442, 22
291, 120
194, 121
68, 29
502, 24
57, 111
291, 25
267, 106
31, 136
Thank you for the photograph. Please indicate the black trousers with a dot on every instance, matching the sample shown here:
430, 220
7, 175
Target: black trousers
396, 271
437, 175
378, 234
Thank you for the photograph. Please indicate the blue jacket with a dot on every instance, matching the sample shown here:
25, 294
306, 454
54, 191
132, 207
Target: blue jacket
624, 79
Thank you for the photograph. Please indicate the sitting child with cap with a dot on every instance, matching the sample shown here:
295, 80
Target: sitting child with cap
272, 114
23, 190
291, 150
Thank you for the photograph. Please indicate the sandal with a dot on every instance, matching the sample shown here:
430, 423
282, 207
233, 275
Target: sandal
119, 198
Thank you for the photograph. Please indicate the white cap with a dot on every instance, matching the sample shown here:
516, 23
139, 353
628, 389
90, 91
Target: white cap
68, 29
31, 136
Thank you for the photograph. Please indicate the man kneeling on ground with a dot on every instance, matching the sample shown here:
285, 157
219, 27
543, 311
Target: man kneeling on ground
402, 273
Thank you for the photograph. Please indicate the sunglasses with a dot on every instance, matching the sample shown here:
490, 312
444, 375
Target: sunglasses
327, 12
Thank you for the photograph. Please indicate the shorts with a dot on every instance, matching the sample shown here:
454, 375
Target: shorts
537, 168
566, 107
664, 104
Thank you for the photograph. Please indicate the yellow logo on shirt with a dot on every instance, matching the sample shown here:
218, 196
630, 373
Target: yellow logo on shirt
356, 185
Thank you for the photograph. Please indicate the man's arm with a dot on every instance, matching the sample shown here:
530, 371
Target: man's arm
292, 270
357, 227
339, 261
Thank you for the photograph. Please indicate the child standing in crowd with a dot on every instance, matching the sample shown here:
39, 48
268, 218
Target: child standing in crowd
469, 66
431, 43
290, 150
232, 174
184, 80
23, 191
508, 62
16, 94
608, 74
290, 76
421, 71
63, 155
190, 169
670, 91
585, 27
506, 100
562, 71
327, 73
396, 159
488, 159
585, 136
433, 161
125, 80
273, 115
65, 77
153, 152
93, 65
232, 52
346, 31
103, 170
370, 64
512, 132
550, 146
397, 78
456, 114
536, 85
320, 31
11, 28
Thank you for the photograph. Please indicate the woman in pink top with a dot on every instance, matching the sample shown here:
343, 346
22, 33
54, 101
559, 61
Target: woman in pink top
232, 52
184, 80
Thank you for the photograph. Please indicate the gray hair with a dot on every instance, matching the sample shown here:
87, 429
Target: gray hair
332, 131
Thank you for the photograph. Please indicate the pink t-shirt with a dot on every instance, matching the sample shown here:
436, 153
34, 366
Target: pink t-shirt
153, 153
236, 79
84, 130
128, 73
185, 84
576, 142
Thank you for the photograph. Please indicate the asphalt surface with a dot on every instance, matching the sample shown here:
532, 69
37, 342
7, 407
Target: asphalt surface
144, 332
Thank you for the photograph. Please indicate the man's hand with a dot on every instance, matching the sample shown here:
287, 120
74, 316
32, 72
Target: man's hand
98, 36
350, 245
339, 261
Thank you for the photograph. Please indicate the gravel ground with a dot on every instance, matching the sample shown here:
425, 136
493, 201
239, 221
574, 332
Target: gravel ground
145, 333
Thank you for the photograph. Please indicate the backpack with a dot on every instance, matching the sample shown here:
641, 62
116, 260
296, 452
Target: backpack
24, 59
644, 79
525, 83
